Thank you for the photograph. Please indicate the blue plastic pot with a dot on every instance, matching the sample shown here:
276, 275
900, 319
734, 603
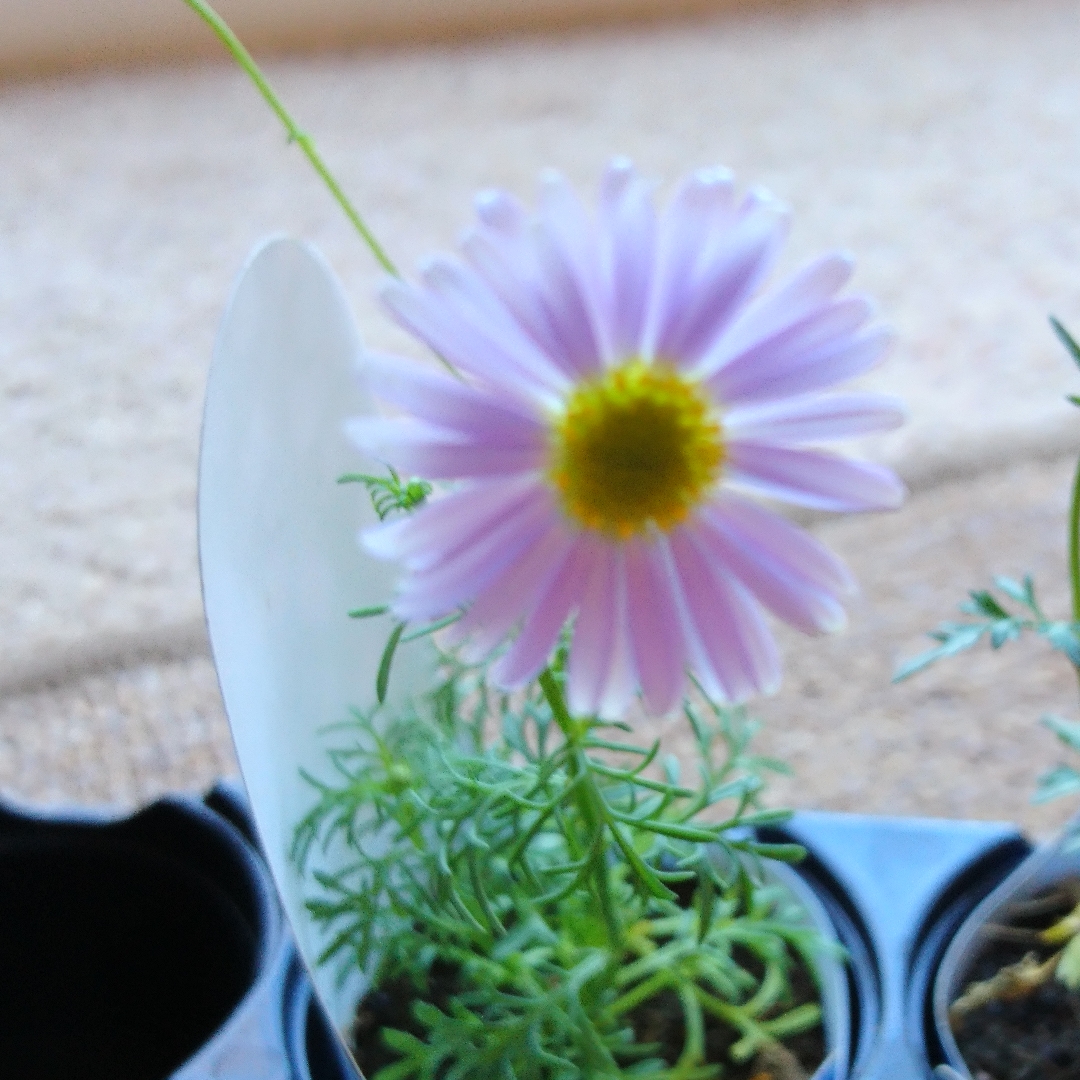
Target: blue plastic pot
897, 890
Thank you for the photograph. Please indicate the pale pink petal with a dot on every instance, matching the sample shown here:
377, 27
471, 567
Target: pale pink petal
621, 686
556, 600
812, 478
796, 421
775, 373
628, 228
463, 573
418, 449
786, 592
446, 402
566, 252
735, 655
596, 631
784, 542
508, 265
808, 289
501, 605
656, 637
523, 370
464, 293
448, 521
702, 206
827, 324
720, 287
502, 212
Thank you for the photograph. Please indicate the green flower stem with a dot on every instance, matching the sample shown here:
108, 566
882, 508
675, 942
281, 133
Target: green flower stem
589, 802
1074, 546
1074, 551
245, 60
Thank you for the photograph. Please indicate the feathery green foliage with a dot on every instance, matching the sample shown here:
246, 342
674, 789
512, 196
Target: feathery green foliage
559, 878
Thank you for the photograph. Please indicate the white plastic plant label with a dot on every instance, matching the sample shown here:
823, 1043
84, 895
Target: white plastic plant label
281, 567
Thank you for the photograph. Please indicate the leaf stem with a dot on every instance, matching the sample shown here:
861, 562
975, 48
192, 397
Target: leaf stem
236, 49
589, 802
1074, 546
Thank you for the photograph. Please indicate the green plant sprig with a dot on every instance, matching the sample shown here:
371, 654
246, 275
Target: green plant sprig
995, 622
493, 859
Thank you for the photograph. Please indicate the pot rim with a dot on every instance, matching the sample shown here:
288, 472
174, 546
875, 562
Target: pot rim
1050, 862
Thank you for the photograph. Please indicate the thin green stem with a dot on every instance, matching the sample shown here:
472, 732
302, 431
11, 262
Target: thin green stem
589, 801
245, 60
1074, 546
1074, 551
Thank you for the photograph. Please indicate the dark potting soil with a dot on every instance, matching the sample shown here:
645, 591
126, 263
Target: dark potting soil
659, 1020
1034, 1038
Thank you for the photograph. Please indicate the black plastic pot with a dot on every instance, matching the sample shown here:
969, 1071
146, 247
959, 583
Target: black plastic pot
140, 947
315, 1050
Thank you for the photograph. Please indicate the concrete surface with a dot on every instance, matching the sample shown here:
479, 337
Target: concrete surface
939, 141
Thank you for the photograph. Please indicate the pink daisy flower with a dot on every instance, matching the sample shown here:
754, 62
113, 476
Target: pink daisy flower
622, 390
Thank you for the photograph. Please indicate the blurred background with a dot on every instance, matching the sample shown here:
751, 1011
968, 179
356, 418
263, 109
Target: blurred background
938, 141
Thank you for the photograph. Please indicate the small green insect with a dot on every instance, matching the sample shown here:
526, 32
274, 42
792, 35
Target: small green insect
390, 493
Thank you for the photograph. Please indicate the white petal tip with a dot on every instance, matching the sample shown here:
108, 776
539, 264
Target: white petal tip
842, 259
497, 209
895, 499
761, 198
715, 176
551, 178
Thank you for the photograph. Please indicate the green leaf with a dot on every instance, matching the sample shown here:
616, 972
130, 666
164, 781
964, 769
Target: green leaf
1068, 967
954, 638
798, 1019
1022, 594
432, 628
401, 1041
1066, 730
1063, 636
369, 612
382, 680
1066, 339
983, 602
766, 817
1004, 630
781, 852
1056, 783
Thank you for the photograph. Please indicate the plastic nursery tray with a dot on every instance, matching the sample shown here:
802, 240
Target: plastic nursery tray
897, 889
153, 946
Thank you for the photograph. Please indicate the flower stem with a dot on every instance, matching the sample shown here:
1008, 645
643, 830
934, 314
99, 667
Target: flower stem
1074, 546
589, 802
245, 60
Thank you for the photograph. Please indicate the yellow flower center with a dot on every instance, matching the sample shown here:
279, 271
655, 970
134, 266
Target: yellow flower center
638, 444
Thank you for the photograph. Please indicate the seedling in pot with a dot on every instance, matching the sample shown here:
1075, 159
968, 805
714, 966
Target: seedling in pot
1021, 1007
